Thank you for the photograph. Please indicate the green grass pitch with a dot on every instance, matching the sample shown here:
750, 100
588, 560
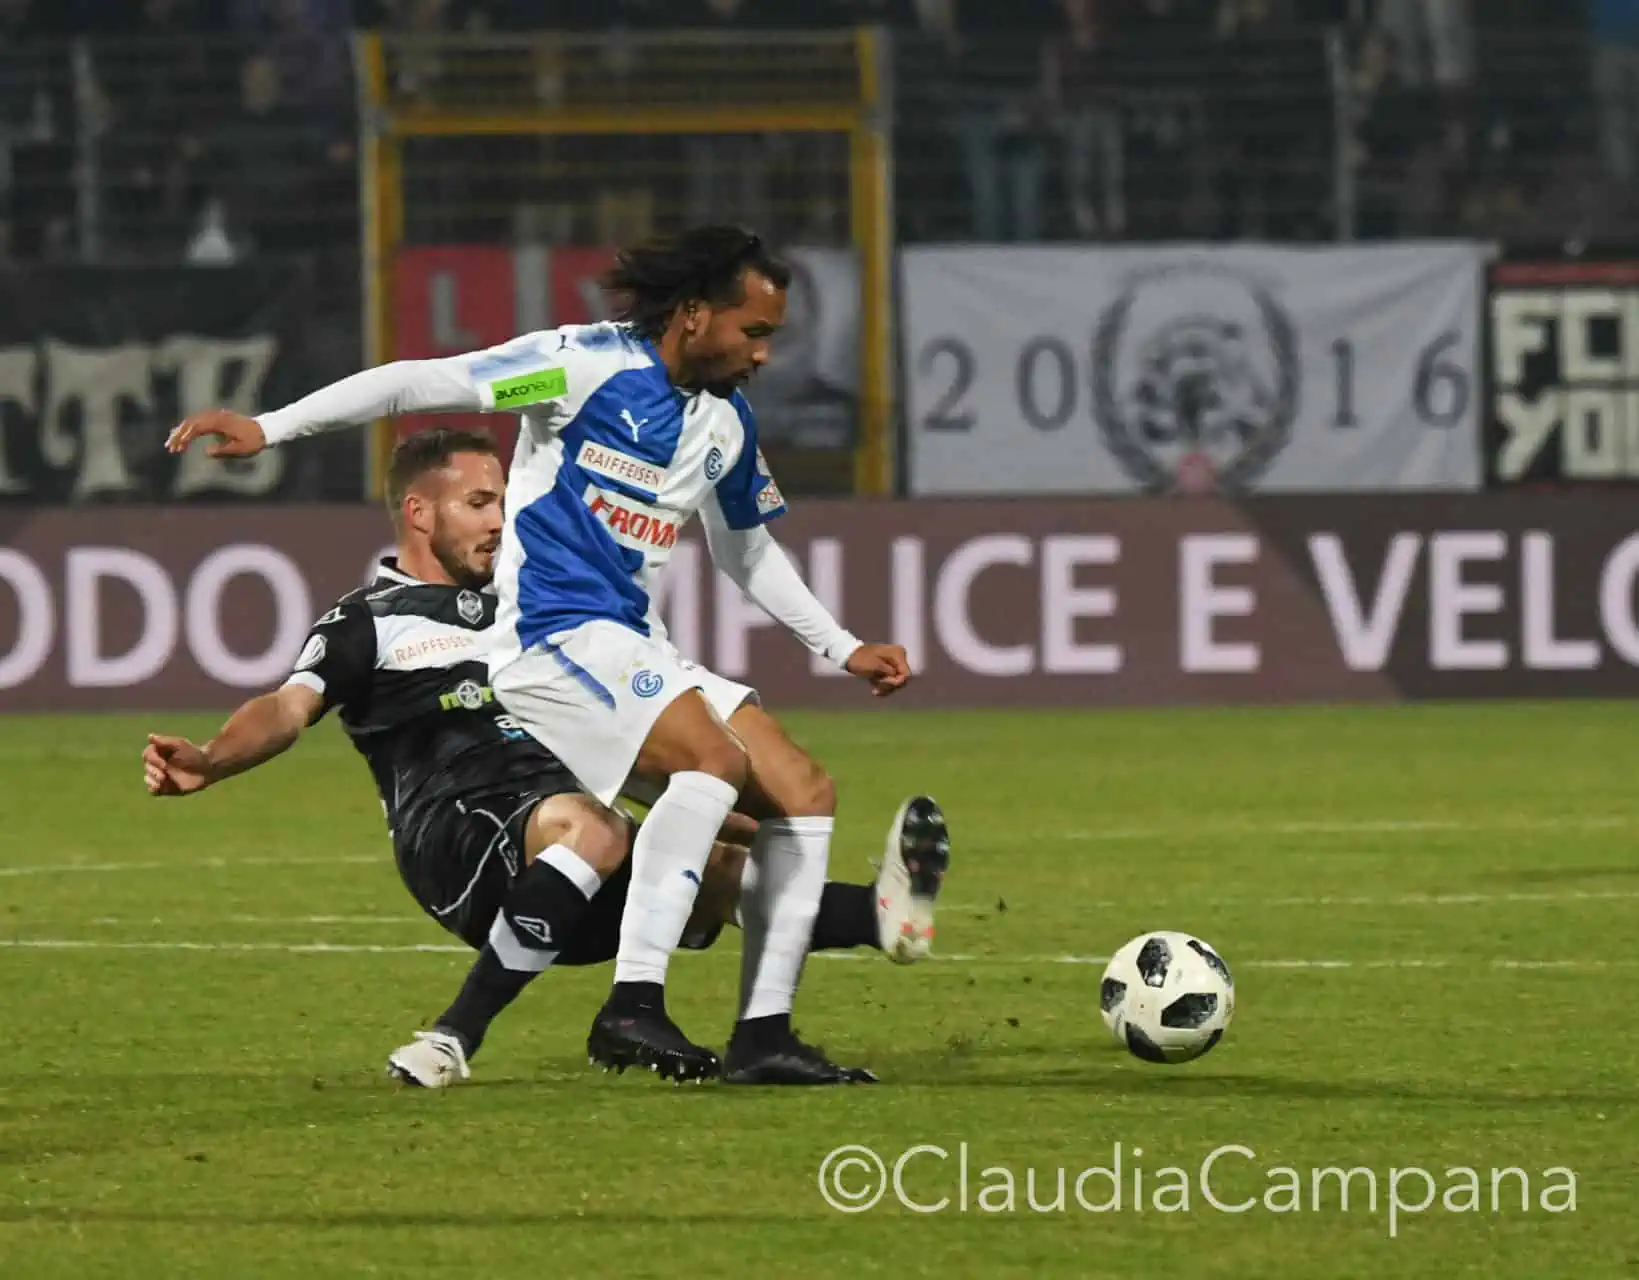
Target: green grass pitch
1432, 914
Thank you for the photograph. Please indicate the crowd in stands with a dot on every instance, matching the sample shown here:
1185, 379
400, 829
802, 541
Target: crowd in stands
223, 127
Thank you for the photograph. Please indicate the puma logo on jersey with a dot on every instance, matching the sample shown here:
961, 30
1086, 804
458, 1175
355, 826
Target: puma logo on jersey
633, 423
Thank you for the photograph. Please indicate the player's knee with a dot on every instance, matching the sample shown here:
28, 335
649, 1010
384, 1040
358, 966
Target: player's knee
598, 836
724, 869
738, 829
725, 759
602, 841
814, 792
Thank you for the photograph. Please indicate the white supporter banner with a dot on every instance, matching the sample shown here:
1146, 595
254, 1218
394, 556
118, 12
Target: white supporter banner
1223, 369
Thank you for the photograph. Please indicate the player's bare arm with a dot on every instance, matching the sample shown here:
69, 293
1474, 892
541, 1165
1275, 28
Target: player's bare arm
262, 728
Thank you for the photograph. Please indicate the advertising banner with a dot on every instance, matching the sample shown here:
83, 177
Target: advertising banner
97, 364
1565, 373
1030, 604
1192, 370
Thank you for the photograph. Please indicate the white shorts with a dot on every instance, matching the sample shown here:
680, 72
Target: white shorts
591, 695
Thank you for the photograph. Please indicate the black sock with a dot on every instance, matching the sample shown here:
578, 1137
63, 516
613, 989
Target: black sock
637, 997
769, 1032
537, 919
847, 918
490, 987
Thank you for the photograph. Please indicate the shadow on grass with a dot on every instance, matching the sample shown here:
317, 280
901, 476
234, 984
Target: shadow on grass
1112, 1073
1567, 876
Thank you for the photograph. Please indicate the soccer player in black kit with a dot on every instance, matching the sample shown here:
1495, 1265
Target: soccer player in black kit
492, 835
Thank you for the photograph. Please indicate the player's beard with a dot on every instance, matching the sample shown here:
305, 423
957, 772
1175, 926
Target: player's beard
462, 570
716, 376
725, 385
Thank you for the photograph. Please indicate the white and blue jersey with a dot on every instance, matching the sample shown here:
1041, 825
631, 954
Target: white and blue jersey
611, 463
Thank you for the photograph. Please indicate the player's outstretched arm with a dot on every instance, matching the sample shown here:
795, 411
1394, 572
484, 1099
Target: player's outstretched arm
758, 565
261, 729
406, 386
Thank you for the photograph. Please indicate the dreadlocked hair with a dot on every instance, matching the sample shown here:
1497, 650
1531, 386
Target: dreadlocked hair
651, 280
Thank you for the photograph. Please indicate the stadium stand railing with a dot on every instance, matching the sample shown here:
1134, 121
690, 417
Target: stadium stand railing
205, 150
154, 150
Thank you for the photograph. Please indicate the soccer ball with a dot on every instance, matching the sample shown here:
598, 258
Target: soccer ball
1167, 996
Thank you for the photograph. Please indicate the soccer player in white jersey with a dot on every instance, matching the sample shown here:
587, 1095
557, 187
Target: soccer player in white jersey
629, 430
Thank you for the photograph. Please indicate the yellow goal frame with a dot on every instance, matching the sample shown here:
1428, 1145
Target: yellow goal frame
386, 125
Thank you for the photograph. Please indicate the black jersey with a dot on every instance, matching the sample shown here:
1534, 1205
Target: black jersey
404, 663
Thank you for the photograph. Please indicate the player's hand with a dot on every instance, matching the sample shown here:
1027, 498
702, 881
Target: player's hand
237, 435
174, 766
886, 666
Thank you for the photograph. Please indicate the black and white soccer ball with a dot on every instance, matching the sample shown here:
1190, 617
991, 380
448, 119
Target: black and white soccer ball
1167, 996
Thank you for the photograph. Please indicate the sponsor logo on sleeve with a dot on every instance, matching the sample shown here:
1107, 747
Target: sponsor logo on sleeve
769, 498
530, 388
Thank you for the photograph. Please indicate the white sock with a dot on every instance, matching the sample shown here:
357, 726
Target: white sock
668, 859
781, 901
751, 877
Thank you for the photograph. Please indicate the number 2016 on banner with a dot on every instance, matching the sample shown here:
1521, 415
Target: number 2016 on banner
1046, 383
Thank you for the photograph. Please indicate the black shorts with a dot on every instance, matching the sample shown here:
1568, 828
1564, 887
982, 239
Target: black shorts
459, 862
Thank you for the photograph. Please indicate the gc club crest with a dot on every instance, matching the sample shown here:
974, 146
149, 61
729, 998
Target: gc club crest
646, 683
714, 464
1195, 379
470, 606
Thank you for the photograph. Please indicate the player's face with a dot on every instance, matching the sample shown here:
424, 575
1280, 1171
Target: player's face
466, 517
732, 342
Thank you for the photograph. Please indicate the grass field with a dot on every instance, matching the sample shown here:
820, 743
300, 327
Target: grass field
1431, 913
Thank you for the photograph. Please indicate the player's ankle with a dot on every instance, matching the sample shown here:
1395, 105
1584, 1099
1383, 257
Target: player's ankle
469, 1040
637, 997
762, 1033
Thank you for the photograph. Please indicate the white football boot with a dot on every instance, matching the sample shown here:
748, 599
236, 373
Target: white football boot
433, 1060
914, 863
